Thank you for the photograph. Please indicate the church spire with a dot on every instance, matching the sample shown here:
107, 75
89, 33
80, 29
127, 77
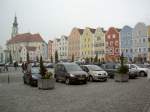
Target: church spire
15, 27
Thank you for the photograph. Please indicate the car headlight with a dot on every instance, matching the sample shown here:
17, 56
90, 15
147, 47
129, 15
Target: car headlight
95, 74
71, 75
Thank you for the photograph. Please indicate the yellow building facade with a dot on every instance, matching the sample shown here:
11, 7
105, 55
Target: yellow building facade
99, 43
87, 43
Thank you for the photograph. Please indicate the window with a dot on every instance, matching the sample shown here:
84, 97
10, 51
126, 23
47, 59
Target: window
108, 37
111, 43
143, 40
116, 43
98, 38
139, 49
114, 36
116, 50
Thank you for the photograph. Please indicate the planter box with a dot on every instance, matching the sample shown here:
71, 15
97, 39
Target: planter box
121, 77
46, 84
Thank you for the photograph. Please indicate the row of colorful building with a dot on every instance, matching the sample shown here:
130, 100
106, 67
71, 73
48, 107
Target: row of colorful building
134, 43
108, 45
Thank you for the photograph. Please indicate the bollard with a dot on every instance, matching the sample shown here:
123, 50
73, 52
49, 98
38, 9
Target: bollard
8, 79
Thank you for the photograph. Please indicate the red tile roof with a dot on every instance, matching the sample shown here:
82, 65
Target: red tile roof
26, 37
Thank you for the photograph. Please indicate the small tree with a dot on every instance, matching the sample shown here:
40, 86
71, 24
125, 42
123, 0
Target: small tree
123, 69
10, 58
72, 58
42, 68
51, 59
28, 58
56, 57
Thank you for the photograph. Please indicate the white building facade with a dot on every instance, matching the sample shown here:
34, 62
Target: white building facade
63, 48
140, 43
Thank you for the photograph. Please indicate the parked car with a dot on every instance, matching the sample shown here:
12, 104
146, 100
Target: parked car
32, 78
140, 69
50, 65
95, 72
110, 68
133, 73
69, 73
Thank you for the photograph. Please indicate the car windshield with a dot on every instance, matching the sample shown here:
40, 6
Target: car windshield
94, 68
35, 71
141, 65
73, 67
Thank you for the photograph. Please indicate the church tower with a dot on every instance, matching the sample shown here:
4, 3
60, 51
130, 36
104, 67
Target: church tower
14, 28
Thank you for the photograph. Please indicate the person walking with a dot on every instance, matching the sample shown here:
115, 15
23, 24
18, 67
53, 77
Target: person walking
23, 67
15, 65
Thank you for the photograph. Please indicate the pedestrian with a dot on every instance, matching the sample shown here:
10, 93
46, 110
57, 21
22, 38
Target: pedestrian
6, 67
23, 67
15, 65
29, 66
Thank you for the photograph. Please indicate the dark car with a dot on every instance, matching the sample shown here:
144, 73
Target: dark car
50, 65
32, 78
110, 68
69, 73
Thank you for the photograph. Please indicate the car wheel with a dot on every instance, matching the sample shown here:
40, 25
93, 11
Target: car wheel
31, 83
91, 79
85, 82
105, 80
57, 80
67, 81
142, 73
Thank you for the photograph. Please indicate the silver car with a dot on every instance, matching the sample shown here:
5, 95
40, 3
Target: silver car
95, 72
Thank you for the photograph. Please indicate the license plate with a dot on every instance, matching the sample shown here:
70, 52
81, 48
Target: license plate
81, 78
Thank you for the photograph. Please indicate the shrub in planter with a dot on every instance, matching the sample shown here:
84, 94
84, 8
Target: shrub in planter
47, 81
122, 72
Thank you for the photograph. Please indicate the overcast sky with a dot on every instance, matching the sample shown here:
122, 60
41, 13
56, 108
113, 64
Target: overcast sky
53, 18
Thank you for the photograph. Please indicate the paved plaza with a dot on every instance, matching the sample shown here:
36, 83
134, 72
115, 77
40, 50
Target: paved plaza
110, 96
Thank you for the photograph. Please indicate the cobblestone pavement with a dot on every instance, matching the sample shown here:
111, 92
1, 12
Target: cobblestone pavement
110, 96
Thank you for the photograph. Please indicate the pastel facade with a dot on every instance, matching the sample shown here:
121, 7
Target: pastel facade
87, 43
99, 43
112, 44
1, 55
63, 48
126, 42
55, 47
148, 27
32, 53
50, 42
140, 43
74, 43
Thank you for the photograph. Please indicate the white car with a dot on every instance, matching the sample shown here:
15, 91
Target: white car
95, 72
141, 69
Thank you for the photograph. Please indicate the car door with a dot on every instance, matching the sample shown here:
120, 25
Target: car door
63, 73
